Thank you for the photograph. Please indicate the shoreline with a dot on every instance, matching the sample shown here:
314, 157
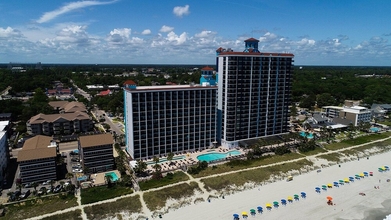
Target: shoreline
349, 204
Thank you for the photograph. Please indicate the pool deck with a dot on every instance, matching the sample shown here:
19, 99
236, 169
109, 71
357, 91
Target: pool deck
190, 159
99, 178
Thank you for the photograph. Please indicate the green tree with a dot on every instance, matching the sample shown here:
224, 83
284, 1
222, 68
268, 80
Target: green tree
140, 167
325, 99
170, 156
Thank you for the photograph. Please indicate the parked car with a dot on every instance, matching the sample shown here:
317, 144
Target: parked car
41, 191
77, 170
28, 185
46, 182
57, 189
50, 189
75, 160
14, 196
25, 194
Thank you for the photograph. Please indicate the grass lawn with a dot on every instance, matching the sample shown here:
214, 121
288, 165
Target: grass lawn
175, 178
242, 164
73, 215
334, 157
39, 206
356, 141
99, 193
256, 176
157, 199
313, 152
112, 210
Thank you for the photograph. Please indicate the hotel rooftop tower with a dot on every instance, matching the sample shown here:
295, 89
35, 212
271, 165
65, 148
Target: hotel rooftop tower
254, 92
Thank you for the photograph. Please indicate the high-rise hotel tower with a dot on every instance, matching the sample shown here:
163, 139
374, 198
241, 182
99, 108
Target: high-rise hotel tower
254, 92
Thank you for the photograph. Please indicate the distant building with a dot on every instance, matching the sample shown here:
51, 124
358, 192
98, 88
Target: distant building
356, 114
59, 123
68, 107
4, 153
379, 111
254, 93
5, 116
168, 118
96, 152
37, 160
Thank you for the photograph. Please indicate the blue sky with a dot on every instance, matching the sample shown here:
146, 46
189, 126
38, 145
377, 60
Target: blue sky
317, 32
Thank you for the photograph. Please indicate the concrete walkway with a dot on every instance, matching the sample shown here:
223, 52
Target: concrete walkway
148, 212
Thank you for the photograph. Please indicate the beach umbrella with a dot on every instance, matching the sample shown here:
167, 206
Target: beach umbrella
329, 185
295, 195
317, 188
386, 167
244, 213
290, 198
346, 180
303, 193
236, 215
268, 205
371, 173
259, 208
351, 178
357, 175
324, 186
275, 203
329, 198
283, 201
361, 174
366, 173
341, 181
335, 183
252, 210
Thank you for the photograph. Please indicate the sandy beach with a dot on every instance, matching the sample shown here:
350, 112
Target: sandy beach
348, 203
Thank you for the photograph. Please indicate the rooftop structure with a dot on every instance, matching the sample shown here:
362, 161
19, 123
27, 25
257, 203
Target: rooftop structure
96, 152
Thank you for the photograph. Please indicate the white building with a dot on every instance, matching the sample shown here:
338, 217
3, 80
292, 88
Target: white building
356, 114
4, 155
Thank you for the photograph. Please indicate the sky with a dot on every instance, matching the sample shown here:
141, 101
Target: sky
317, 32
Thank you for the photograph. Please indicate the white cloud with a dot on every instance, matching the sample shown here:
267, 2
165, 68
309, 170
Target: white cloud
9, 33
172, 37
72, 6
179, 11
204, 34
146, 32
120, 35
166, 29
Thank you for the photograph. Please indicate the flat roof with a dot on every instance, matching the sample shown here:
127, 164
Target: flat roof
96, 140
171, 87
261, 54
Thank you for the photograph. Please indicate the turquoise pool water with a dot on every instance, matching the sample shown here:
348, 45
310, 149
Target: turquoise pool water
113, 175
217, 156
162, 160
374, 129
310, 135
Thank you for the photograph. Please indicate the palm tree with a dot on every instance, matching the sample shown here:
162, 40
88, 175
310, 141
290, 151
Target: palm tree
35, 185
170, 156
140, 167
109, 180
69, 176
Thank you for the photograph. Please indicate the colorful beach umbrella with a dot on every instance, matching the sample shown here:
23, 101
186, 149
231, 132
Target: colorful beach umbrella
361, 174
275, 203
244, 213
236, 215
252, 210
346, 180
295, 195
329, 198
324, 186
317, 188
341, 181
335, 183
283, 201
268, 205
290, 198
329, 185
351, 178
259, 208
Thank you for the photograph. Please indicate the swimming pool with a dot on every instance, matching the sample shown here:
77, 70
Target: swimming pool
374, 129
162, 160
208, 157
310, 135
113, 175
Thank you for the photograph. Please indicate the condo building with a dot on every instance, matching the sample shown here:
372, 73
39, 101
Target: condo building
254, 92
96, 152
171, 118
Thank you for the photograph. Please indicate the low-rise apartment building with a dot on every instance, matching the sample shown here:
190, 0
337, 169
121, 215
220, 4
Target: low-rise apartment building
356, 114
68, 107
37, 160
68, 123
96, 152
